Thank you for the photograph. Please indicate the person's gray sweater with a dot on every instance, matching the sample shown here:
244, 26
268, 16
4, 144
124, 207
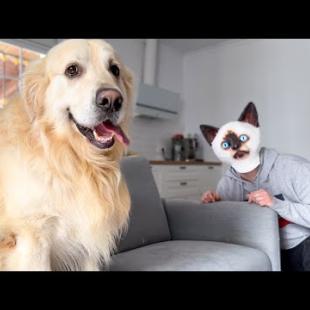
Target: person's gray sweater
287, 179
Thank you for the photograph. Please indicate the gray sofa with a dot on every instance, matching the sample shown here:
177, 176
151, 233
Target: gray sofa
178, 235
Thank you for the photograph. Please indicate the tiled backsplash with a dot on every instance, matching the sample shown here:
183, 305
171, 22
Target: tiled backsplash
148, 136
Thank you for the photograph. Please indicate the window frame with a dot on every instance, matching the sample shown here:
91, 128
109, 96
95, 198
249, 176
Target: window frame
21, 44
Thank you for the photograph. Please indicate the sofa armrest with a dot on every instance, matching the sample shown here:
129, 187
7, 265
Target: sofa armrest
231, 222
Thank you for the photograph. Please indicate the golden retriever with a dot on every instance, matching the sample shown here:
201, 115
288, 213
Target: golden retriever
63, 201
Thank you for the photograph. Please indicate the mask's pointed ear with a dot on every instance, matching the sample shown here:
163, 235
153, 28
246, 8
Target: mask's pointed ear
249, 115
209, 132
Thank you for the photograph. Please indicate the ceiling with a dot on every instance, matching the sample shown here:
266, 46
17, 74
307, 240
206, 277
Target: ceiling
188, 45
182, 45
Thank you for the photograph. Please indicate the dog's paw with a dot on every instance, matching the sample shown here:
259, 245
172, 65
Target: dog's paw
8, 242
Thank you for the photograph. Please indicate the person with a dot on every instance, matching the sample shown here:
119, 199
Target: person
266, 178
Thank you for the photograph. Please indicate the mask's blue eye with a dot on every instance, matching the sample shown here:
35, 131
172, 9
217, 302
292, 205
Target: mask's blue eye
225, 145
243, 138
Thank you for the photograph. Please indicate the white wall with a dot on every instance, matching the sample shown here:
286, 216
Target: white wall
273, 73
147, 135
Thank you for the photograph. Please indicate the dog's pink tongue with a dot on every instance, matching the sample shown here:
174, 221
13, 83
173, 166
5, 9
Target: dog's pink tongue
105, 127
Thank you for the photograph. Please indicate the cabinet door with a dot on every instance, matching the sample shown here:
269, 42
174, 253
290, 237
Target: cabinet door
180, 189
186, 182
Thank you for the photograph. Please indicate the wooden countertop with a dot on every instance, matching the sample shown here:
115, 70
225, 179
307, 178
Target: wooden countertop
183, 163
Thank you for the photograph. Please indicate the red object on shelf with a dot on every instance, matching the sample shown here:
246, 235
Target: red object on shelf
178, 136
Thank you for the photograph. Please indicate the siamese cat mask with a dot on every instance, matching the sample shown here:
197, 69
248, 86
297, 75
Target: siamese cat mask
237, 143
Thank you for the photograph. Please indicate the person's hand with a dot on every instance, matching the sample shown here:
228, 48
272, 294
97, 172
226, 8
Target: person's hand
261, 197
209, 196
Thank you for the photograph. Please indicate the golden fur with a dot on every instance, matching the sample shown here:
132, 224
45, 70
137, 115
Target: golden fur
63, 201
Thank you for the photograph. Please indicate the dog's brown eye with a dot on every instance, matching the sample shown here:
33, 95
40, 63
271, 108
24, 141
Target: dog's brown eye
115, 70
73, 71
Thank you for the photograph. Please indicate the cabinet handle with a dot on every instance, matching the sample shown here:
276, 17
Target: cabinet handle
183, 183
211, 168
183, 167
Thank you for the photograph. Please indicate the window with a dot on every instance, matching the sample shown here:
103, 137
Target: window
13, 61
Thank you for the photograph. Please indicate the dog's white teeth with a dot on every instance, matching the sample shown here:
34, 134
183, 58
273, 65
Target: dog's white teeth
102, 139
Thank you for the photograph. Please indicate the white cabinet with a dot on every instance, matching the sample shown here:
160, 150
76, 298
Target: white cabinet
186, 181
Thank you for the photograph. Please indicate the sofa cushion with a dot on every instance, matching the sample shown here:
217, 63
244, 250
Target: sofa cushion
191, 256
148, 222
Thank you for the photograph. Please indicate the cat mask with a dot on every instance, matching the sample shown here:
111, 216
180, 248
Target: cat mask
237, 143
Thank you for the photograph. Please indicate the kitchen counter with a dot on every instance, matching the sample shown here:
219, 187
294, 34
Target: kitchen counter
190, 162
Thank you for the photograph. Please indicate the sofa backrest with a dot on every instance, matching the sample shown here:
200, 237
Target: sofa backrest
148, 222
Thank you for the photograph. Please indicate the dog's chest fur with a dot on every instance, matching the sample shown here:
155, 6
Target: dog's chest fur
77, 223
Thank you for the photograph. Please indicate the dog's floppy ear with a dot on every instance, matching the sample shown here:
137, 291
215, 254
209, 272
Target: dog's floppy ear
33, 88
209, 132
249, 115
128, 82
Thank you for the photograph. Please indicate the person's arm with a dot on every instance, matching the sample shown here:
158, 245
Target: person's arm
296, 212
212, 196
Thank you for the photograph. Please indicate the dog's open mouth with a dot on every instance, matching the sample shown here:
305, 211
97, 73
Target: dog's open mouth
103, 135
241, 154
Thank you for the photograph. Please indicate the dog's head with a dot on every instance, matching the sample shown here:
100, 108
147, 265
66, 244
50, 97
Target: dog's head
81, 90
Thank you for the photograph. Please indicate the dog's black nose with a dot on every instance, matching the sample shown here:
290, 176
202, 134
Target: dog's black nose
109, 99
